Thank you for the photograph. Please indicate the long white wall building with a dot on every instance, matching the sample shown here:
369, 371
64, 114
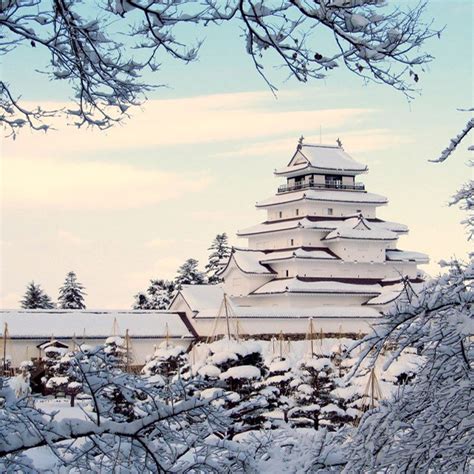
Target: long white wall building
321, 252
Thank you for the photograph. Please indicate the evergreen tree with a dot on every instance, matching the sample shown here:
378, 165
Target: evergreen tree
36, 298
141, 301
158, 295
71, 294
220, 252
189, 274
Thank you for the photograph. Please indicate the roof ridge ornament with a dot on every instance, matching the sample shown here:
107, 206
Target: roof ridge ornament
300, 143
339, 143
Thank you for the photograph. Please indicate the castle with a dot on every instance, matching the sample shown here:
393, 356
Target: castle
321, 253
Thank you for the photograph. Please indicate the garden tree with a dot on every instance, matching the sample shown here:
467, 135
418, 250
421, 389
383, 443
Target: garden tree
166, 361
150, 436
220, 252
232, 372
102, 56
316, 404
189, 274
158, 295
59, 377
277, 389
71, 294
36, 298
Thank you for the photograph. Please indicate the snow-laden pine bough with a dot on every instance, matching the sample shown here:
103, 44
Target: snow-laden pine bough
428, 426
103, 57
132, 423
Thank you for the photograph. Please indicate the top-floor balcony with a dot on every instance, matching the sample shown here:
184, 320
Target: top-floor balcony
327, 185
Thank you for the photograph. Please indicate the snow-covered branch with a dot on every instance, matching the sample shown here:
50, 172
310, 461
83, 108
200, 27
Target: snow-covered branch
86, 51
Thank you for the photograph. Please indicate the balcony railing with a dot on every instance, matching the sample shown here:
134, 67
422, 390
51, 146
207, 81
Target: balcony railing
331, 185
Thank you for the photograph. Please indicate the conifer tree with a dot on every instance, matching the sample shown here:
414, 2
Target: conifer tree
158, 295
220, 252
189, 274
71, 294
36, 298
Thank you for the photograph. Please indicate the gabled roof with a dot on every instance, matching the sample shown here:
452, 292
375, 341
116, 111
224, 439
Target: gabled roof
89, 324
359, 228
324, 195
248, 262
321, 158
203, 299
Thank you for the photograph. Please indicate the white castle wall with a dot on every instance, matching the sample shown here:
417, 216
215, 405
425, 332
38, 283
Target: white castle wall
292, 325
341, 269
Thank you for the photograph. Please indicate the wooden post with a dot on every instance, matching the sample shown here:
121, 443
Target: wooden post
311, 336
5, 335
226, 316
167, 337
127, 353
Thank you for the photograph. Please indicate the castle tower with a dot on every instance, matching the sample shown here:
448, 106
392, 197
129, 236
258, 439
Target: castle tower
321, 250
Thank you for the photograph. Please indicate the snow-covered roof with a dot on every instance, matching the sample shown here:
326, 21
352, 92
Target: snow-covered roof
316, 223
358, 228
324, 195
317, 253
92, 324
393, 292
248, 261
304, 313
395, 255
204, 299
301, 285
321, 158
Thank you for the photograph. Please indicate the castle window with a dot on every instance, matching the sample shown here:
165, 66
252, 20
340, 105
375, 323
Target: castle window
297, 212
330, 211
280, 214
286, 273
292, 242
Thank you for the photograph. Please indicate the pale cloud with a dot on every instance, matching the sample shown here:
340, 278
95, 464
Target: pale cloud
195, 120
69, 238
54, 183
154, 243
359, 141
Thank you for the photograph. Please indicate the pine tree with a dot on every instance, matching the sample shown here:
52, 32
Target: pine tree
36, 298
71, 294
220, 252
189, 274
158, 295
141, 301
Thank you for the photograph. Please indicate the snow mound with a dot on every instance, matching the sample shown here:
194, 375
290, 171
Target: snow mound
242, 372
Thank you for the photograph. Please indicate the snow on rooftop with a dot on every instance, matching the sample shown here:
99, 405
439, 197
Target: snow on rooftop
360, 229
249, 261
203, 298
299, 253
305, 313
404, 256
88, 323
295, 285
323, 157
325, 196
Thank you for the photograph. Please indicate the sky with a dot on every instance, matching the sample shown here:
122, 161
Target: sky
133, 203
